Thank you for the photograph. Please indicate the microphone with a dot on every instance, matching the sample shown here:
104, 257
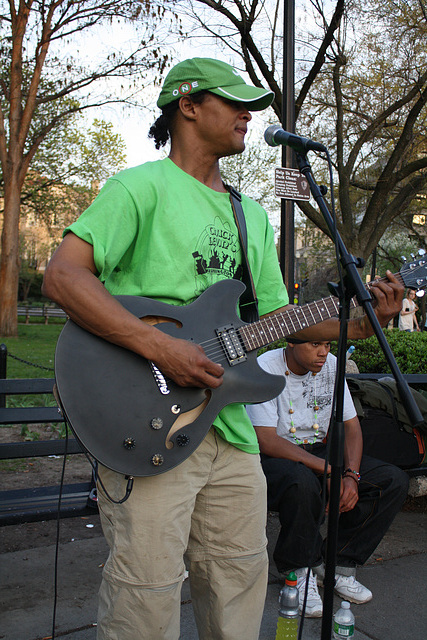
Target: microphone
275, 135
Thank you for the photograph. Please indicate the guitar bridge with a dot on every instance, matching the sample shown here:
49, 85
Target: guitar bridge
232, 345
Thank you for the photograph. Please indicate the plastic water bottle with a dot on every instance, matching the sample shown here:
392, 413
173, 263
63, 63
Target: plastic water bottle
343, 622
287, 623
350, 352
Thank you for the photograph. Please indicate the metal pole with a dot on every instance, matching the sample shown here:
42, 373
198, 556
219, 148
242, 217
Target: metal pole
288, 122
374, 264
3, 372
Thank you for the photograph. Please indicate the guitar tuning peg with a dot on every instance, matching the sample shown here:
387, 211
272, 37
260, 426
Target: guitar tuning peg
403, 258
421, 252
413, 256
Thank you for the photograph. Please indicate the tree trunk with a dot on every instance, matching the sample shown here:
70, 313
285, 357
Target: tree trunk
10, 261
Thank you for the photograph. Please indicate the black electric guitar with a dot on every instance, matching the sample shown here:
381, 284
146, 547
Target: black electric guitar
134, 420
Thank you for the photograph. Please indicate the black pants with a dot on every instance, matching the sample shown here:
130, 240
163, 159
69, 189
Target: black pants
295, 492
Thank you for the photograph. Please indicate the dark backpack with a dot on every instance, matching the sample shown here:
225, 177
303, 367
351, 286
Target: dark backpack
387, 431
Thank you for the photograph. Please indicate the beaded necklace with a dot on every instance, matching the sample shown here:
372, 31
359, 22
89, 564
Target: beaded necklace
315, 425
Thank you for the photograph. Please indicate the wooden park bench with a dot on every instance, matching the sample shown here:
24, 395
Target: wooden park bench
45, 312
41, 503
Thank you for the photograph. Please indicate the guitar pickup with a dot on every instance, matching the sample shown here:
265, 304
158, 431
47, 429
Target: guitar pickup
231, 344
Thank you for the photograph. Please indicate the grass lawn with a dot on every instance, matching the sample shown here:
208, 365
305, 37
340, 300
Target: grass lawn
35, 343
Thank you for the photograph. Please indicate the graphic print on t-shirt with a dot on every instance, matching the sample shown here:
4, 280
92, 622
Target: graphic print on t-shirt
217, 255
321, 394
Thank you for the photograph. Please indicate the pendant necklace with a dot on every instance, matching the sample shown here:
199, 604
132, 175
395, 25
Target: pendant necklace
315, 425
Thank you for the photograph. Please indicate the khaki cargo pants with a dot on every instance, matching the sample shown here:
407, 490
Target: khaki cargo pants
211, 509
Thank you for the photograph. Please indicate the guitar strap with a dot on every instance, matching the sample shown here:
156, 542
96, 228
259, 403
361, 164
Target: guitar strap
248, 301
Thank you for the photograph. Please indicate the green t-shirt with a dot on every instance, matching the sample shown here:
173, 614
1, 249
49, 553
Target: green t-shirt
158, 232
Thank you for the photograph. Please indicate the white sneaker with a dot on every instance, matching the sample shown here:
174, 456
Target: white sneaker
314, 606
348, 588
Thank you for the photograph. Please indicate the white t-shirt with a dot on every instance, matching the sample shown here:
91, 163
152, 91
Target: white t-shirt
406, 322
302, 394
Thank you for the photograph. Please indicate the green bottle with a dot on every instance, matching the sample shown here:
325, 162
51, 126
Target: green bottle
287, 623
343, 622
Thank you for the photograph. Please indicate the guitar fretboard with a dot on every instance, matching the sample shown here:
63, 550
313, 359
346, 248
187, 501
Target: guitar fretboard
268, 330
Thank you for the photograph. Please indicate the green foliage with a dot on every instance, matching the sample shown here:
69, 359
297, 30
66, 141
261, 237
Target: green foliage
30, 282
15, 466
360, 81
409, 350
374, 118
67, 170
252, 173
399, 240
32, 400
61, 429
49, 71
35, 344
29, 435
77, 154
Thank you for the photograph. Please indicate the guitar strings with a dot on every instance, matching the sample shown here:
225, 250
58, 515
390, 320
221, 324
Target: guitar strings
215, 351
268, 327
293, 313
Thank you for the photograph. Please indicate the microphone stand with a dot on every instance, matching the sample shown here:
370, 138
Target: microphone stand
352, 285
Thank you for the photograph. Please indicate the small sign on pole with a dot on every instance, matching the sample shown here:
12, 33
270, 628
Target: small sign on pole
290, 184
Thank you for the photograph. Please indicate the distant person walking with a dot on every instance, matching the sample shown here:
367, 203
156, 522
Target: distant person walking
407, 317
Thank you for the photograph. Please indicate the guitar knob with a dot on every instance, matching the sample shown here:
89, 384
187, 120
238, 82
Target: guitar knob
157, 459
156, 423
129, 443
182, 440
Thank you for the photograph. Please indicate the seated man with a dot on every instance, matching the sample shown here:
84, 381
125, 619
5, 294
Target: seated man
291, 430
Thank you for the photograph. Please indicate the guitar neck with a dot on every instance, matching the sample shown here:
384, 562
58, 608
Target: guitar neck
280, 325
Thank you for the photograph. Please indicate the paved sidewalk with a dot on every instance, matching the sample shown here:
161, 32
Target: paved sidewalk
396, 573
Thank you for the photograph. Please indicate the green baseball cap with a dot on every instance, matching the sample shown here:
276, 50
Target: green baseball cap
207, 74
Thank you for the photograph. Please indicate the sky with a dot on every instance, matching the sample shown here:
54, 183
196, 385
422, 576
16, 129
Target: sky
134, 130
139, 148
131, 123
133, 126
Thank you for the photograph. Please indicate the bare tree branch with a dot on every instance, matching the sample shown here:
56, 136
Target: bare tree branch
320, 57
41, 91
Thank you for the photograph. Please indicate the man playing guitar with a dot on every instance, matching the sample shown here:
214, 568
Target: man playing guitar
165, 230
